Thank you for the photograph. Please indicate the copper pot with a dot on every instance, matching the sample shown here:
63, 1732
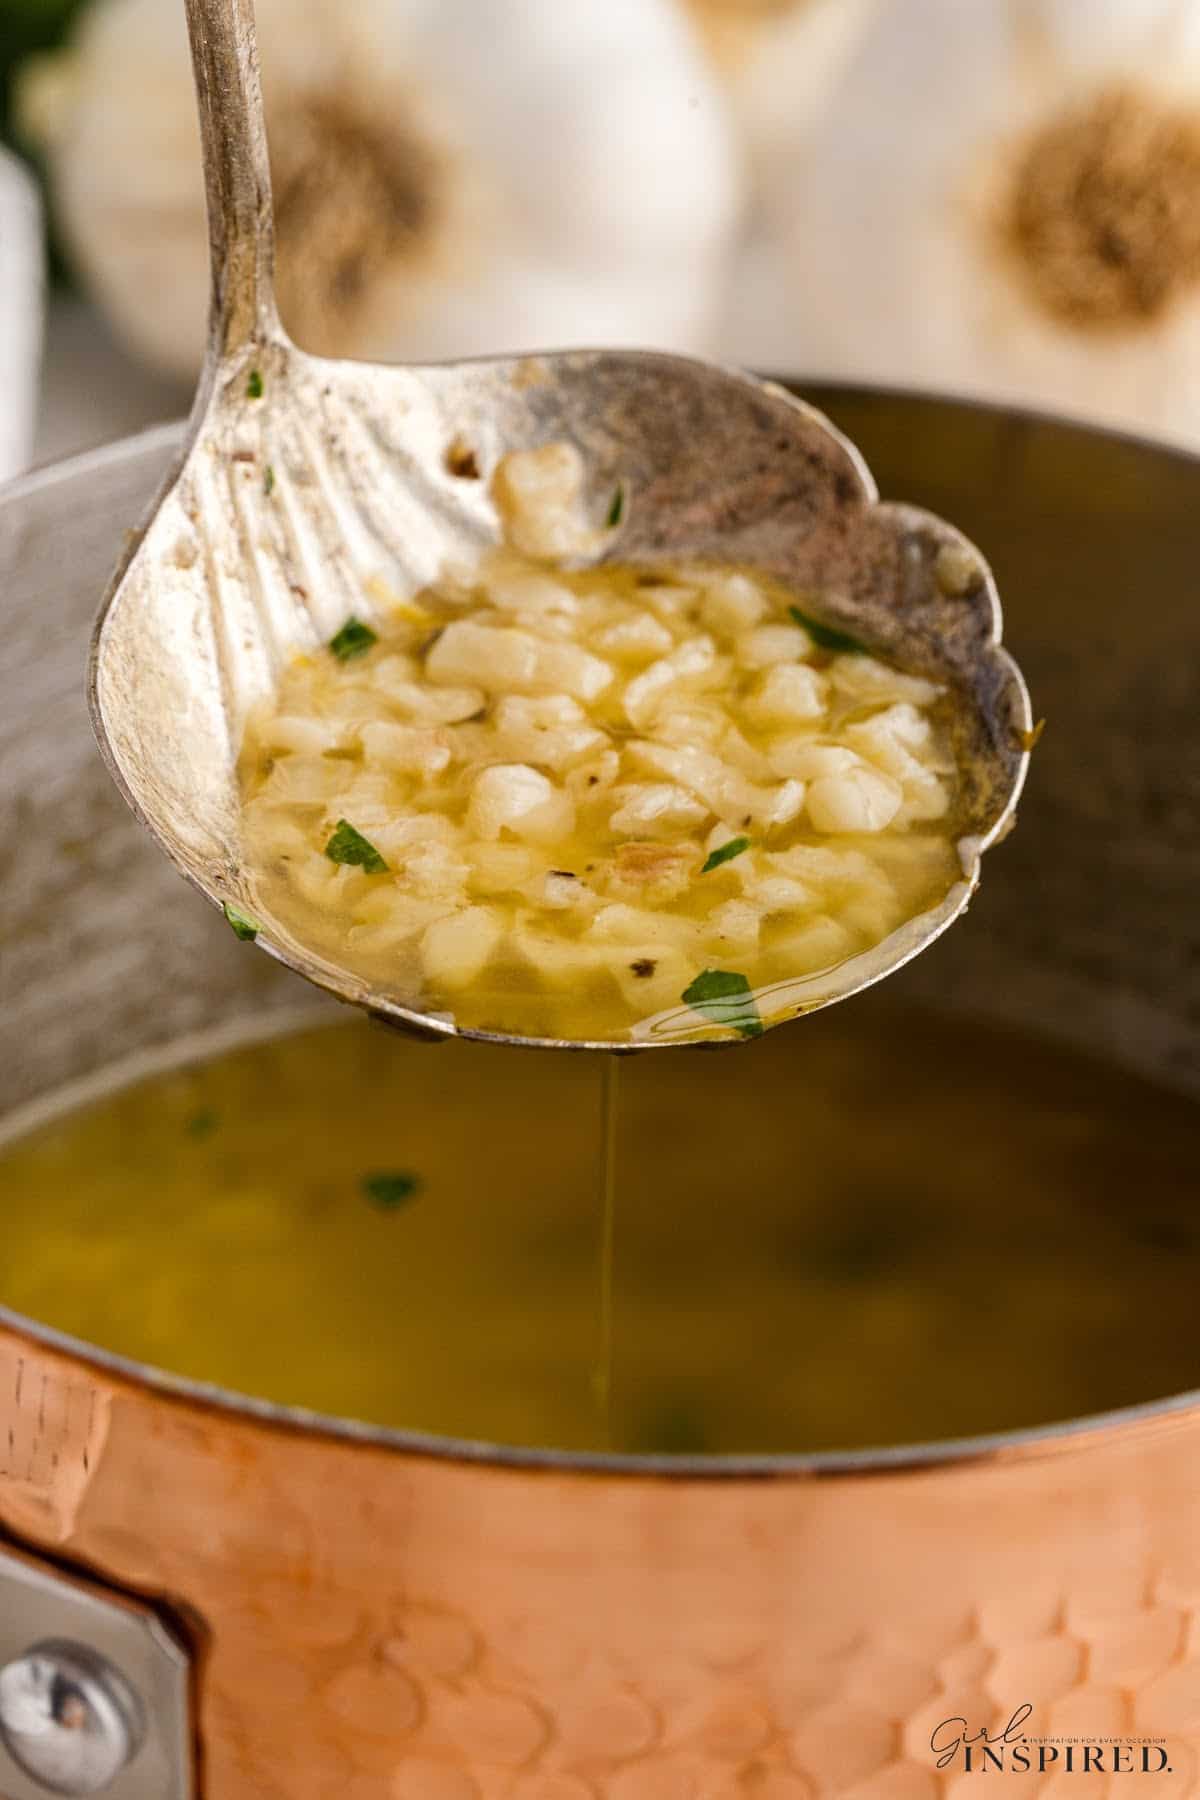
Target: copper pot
287, 1608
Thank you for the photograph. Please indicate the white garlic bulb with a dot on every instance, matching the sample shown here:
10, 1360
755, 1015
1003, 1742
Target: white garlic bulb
452, 176
731, 28
790, 66
1000, 197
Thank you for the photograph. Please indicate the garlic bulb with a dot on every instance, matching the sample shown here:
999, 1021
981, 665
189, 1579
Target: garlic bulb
1003, 198
452, 176
779, 55
780, 68
730, 27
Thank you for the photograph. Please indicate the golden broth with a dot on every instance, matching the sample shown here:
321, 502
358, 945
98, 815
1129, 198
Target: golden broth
349, 1221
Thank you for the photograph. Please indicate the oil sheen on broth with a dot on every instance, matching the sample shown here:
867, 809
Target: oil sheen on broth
596, 802
344, 1220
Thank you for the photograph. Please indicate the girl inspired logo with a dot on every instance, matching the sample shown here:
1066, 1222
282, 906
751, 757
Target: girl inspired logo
975, 1752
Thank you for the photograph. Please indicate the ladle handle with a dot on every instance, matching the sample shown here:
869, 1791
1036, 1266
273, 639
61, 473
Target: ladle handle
237, 173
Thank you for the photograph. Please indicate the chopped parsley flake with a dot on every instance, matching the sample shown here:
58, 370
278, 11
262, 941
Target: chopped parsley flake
354, 639
268, 481
242, 927
352, 848
389, 1189
828, 637
202, 1124
616, 509
254, 386
727, 999
725, 853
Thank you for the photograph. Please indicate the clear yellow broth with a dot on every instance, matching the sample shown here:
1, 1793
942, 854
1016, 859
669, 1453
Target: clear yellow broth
411, 1235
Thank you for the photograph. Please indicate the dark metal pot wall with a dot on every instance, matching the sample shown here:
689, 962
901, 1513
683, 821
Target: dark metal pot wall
370, 1615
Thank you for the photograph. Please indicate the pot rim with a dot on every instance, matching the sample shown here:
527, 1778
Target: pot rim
1024, 1444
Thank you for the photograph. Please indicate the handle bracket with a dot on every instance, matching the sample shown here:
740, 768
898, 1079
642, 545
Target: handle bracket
94, 1691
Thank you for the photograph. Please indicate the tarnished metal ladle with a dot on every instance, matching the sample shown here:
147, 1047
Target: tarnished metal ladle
307, 485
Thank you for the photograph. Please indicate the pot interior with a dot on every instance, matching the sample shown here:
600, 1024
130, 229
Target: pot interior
956, 1207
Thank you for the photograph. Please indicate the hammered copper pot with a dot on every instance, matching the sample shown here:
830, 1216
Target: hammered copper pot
311, 1609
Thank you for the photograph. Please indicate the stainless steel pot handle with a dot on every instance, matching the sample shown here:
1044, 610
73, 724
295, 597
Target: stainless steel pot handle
94, 1691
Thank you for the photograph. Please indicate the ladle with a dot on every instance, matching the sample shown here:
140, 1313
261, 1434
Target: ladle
311, 490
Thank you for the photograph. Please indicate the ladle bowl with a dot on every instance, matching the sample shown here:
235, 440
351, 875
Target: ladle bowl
309, 491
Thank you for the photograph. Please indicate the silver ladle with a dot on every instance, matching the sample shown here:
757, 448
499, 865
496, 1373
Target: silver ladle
307, 486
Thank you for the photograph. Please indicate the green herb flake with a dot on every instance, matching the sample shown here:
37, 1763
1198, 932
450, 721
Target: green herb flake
389, 1189
354, 639
725, 853
268, 481
727, 999
242, 927
202, 1124
616, 509
827, 637
354, 850
254, 386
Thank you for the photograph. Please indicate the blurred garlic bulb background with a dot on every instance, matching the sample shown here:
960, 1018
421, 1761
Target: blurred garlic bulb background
996, 197
1001, 197
452, 176
780, 60
730, 28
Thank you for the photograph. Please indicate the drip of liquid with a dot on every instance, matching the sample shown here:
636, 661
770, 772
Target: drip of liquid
609, 1084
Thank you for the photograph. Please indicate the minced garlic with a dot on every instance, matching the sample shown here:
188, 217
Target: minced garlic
557, 802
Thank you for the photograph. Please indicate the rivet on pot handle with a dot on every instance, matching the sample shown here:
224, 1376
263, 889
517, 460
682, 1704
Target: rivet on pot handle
69, 1718
93, 1691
